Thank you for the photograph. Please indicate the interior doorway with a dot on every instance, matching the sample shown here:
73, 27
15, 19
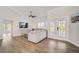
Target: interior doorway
7, 35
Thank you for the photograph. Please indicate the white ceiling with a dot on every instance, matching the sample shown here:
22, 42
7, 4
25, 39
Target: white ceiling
23, 11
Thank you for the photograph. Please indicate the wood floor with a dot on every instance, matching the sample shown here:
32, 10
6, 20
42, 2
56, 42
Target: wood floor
22, 45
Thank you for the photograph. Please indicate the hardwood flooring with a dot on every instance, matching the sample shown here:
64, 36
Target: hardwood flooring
22, 45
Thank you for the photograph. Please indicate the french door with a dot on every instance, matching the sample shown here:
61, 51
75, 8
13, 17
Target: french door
57, 28
61, 28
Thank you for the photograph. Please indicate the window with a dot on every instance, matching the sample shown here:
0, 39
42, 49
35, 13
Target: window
52, 27
41, 25
2, 27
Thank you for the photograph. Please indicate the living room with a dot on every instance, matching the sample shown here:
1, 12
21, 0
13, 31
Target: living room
37, 26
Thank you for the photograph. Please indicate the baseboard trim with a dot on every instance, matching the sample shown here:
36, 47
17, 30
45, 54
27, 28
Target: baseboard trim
77, 45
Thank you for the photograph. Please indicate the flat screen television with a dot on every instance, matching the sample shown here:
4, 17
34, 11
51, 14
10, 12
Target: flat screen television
23, 25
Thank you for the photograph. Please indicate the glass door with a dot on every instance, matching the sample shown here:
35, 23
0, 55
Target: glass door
61, 28
58, 28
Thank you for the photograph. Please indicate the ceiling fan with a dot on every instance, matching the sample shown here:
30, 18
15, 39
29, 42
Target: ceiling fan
31, 15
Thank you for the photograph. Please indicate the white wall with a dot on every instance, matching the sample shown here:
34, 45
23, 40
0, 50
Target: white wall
74, 33
73, 28
19, 31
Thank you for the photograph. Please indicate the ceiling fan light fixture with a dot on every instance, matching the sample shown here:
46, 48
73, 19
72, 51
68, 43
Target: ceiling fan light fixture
32, 16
